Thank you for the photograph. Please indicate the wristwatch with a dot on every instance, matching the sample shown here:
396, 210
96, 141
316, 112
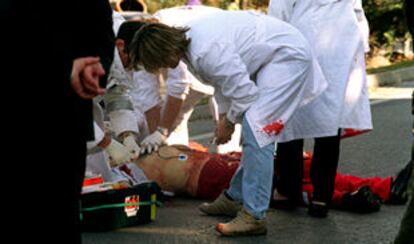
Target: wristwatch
163, 131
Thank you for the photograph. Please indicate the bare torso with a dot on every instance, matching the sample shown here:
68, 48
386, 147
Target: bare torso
175, 168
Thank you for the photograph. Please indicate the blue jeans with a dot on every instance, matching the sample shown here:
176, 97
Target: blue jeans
251, 185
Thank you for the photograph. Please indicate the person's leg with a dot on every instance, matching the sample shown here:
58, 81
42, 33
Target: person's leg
355, 194
74, 157
378, 185
79, 174
257, 163
323, 172
235, 189
288, 174
406, 232
361, 201
228, 203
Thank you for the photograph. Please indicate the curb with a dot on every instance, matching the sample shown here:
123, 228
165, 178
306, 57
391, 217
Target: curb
393, 77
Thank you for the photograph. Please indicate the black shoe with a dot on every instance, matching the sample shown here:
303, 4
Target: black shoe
361, 201
398, 194
318, 210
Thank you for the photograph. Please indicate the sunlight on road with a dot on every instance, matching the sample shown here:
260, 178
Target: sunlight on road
402, 91
391, 93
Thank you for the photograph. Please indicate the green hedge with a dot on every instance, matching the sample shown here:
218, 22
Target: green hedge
391, 67
387, 22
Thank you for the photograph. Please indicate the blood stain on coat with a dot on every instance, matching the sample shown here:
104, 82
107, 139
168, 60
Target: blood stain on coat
274, 128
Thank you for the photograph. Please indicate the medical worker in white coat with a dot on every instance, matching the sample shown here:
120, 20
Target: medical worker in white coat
180, 16
331, 28
262, 70
119, 108
133, 103
165, 117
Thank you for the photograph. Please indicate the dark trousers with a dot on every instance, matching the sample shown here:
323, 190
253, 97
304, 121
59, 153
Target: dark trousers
289, 168
67, 209
406, 232
46, 195
79, 158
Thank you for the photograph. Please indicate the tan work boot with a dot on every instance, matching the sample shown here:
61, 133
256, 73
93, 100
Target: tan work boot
221, 206
243, 224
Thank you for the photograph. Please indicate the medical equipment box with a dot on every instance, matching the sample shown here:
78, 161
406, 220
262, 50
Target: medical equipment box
112, 209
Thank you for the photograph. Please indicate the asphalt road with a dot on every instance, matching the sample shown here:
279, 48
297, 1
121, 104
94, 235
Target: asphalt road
381, 152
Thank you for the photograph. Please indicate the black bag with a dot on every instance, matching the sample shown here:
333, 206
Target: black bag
108, 210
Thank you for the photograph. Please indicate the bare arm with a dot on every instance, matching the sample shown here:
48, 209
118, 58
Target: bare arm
153, 118
172, 109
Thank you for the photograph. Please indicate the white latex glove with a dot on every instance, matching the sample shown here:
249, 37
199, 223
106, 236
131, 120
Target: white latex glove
132, 146
119, 154
152, 142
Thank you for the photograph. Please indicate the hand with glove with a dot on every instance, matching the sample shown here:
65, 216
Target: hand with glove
152, 142
118, 153
132, 146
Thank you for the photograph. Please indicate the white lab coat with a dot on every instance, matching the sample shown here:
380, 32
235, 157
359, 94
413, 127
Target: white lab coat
146, 87
181, 84
131, 94
118, 103
98, 127
362, 23
258, 65
332, 29
181, 15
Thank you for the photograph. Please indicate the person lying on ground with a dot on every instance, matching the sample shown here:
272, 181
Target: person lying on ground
351, 193
204, 175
